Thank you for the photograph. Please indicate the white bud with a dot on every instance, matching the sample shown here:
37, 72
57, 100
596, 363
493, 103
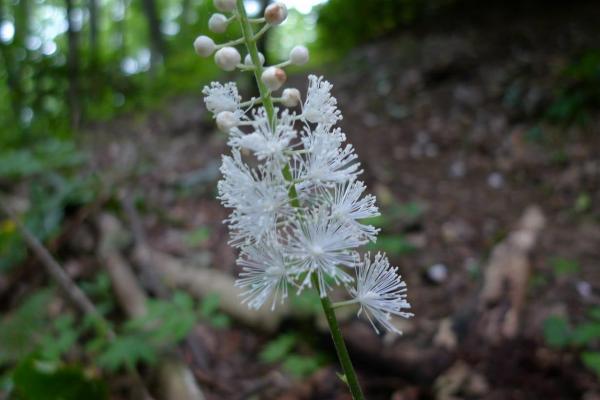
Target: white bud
273, 77
227, 58
204, 46
226, 121
218, 23
299, 55
248, 59
276, 13
224, 5
290, 97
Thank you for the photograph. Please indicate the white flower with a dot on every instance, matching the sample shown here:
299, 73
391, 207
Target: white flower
327, 161
276, 13
299, 55
320, 107
273, 78
320, 245
248, 59
226, 121
219, 98
259, 200
224, 5
218, 23
204, 46
346, 204
290, 97
381, 292
264, 273
227, 58
266, 142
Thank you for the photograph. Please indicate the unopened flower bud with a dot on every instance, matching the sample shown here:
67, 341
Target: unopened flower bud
224, 5
248, 59
226, 121
273, 77
299, 55
276, 13
227, 58
204, 46
218, 23
290, 97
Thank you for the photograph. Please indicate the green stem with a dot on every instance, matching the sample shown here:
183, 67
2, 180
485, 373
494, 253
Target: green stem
267, 100
340, 345
250, 42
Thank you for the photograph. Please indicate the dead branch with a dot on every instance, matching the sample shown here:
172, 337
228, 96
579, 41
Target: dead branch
176, 380
53, 268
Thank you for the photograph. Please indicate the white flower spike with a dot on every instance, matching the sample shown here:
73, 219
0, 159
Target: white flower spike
298, 211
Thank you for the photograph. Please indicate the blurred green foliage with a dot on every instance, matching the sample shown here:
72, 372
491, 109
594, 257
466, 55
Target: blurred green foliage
578, 92
284, 349
343, 24
36, 379
583, 338
51, 81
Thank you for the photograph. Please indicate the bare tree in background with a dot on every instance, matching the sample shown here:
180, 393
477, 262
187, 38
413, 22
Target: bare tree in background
157, 46
73, 67
94, 11
14, 55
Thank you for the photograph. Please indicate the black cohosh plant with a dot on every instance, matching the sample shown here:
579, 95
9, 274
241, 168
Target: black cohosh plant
296, 216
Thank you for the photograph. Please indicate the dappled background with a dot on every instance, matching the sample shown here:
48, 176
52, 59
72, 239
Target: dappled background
477, 126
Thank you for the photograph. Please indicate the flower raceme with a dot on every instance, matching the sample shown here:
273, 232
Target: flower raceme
292, 183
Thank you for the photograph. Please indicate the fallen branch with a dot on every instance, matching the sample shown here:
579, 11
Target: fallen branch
75, 295
176, 380
53, 268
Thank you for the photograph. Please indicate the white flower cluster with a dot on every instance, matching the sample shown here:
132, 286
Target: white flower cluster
298, 207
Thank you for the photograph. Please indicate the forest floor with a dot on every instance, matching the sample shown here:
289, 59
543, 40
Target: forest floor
448, 124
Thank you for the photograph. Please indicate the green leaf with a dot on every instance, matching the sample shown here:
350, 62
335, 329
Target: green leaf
42, 380
197, 237
209, 305
594, 313
564, 266
126, 351
301, 366
586, 333
556, 332
220, 321
395, 245
21, 331
342, 377
591, 359
279, 348
583, 203
308, 302
64, 337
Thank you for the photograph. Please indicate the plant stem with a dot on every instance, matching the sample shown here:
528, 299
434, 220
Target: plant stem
250, 42
340, 345
267, 100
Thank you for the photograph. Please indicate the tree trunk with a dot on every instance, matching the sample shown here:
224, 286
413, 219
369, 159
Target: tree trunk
73, 68
157, 47
94, 35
